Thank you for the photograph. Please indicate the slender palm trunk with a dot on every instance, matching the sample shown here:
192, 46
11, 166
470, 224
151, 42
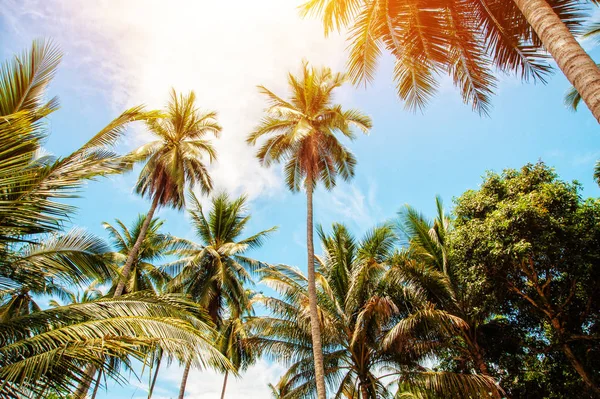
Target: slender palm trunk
84, 385
97, 384
186, 372
224, 385
160, 354
136, 248
315, 329
575, 63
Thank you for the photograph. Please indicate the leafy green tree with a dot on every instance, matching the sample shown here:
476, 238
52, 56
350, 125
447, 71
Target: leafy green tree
466, 39
213, 272
534, 237
173, 162
301, 133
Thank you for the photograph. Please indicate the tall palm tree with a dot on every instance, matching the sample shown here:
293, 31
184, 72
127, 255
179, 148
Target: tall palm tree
301, 133
357, 308
173, 161
145, 274
573, 98
213, 272
465, 39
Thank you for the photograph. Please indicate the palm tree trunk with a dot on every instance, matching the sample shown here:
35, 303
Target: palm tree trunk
136, 248
575, 63
160, 354
364, 392
315, 329
224, 385
97, 384
186, 372
84, 385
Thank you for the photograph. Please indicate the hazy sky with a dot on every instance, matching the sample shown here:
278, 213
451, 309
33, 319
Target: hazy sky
122, 53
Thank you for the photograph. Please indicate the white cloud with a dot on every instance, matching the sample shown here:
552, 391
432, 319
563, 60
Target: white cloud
137, 50
208, 384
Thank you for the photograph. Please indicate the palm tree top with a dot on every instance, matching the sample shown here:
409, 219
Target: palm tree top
214, 270
301, 131
154, 243
145, 275
175, 158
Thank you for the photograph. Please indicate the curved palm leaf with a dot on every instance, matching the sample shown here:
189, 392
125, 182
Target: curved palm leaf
463, 39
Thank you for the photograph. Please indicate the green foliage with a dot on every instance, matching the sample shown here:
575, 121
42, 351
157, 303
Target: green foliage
46, 351
144, 275
370, 325
534, 242
175, 159
214, 271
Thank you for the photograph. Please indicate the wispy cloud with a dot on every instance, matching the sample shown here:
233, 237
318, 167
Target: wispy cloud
135, 51
587, 158
349, 203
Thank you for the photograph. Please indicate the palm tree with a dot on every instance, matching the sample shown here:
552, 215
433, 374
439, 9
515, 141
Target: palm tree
144, 274
573, 98
90, 294
173, 161
236, 342
357, 308
25, 79
213, 272
427, 267
45, 350
32, 183
465, 39
301, 133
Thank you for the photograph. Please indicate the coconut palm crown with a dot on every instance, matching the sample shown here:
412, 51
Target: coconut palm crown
301, 131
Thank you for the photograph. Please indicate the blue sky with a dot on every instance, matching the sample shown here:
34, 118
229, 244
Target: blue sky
119, 55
